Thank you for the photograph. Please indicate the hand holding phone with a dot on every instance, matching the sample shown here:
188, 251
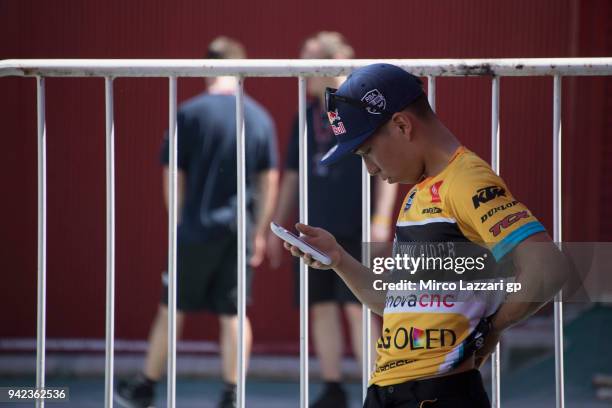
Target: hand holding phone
295, 240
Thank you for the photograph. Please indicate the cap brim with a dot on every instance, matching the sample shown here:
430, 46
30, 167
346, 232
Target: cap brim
342, 150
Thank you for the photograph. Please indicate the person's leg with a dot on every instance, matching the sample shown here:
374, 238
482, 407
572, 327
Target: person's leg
354, 315
192, 281
228, 342
328, 339
140, 390
222, 296
157, 353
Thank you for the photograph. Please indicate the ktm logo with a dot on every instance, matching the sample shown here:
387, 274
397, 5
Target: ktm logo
506, 222
484, 195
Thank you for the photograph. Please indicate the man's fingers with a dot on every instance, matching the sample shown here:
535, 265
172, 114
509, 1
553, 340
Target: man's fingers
305, 229
308, 259
295, 251
317, 265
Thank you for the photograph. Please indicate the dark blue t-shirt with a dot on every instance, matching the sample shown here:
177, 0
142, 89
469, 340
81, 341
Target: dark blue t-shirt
207, 153
334, 192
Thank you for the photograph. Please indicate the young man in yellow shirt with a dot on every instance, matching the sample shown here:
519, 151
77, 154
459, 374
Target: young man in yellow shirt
432, 345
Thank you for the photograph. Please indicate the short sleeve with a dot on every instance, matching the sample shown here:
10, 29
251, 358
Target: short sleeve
187, 134
267, 155
487, 212
293, 150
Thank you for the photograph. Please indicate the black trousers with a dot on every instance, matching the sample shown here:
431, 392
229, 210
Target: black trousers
463, 390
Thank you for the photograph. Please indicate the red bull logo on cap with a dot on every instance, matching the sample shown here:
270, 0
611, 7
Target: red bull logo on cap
338, 129
333, 116
336, 124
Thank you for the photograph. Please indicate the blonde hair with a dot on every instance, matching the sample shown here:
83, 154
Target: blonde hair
224, 47
333, 44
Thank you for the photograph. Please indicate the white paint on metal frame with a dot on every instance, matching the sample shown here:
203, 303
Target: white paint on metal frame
305, 68
241, 259
303, 176
557, 67
109, 348
172, 226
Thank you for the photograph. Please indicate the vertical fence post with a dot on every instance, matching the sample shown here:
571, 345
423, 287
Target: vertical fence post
495, 124
557, 234
41, 304
366, 342
495, 357
303, 167
110, 243
172, 221
431, 91
241, 270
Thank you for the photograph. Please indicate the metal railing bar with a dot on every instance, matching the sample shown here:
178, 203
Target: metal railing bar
557, 233
495, 135
110, 244
41, 304
303, 175
241, 269
172, 243
296, 68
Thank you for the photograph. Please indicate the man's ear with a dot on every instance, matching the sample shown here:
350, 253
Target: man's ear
404, 123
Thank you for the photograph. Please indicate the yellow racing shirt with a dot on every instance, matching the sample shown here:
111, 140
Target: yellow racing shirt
424, 333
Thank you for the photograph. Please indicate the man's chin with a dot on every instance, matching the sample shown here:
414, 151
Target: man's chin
399, 181
405, 182
393, 180
411, 180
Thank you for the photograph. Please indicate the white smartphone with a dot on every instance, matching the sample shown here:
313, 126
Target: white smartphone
293, 239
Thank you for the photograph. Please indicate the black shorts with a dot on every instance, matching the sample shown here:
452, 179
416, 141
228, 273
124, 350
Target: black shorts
206, 277
463, 390
326, 285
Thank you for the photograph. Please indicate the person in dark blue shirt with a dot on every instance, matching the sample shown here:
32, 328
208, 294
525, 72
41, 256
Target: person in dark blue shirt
334, 203
207, 227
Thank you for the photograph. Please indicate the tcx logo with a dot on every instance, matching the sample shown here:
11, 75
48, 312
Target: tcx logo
508, 221
484, 195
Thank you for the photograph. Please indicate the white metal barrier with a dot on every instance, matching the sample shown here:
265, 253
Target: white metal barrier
110, 69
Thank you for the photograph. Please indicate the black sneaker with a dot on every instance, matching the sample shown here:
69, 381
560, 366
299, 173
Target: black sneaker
135, 393
333, 396
228, 399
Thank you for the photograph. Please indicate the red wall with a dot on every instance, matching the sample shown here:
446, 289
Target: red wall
170, 29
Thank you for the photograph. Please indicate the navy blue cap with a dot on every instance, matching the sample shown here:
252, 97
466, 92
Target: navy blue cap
366, 101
